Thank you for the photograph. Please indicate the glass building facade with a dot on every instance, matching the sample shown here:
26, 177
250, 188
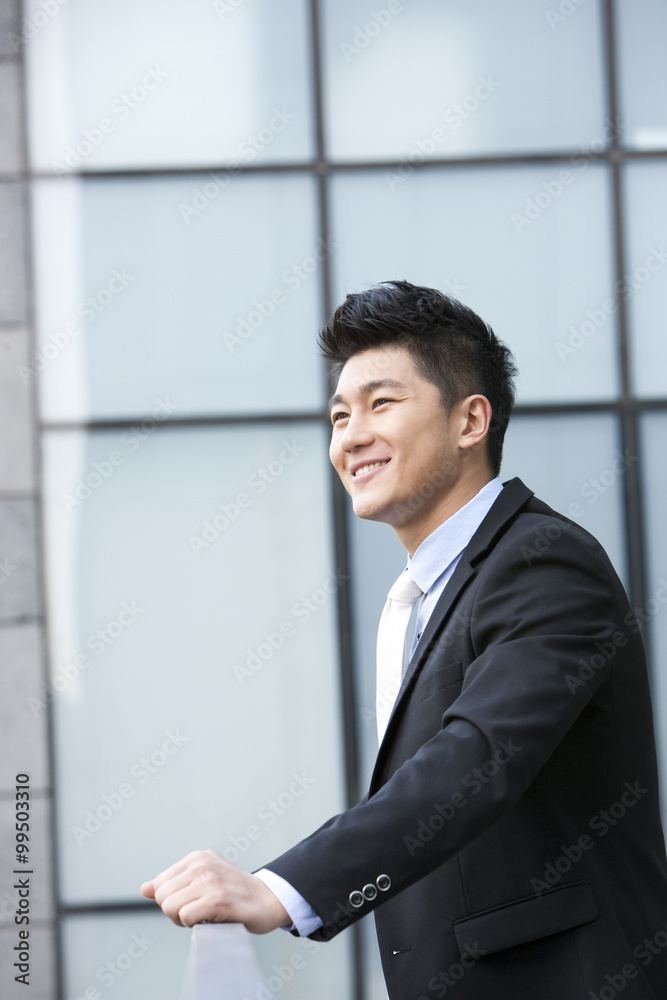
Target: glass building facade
187, 191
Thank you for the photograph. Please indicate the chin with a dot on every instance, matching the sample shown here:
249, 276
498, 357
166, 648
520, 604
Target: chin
369, 511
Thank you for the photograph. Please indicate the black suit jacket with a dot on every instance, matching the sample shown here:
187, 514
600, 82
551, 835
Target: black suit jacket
511, 843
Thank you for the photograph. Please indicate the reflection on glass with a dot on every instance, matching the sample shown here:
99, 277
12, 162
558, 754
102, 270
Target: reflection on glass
529, 248
115, 84
433, 79
193, 649
178, 289
575, 464
641, 28
144, 955
645, 280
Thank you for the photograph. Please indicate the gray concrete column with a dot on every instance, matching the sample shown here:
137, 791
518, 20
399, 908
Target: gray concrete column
23, 729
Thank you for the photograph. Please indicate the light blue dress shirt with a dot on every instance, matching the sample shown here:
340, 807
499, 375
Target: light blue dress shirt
431, 567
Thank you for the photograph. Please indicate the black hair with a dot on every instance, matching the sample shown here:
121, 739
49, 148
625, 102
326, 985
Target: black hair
450, 345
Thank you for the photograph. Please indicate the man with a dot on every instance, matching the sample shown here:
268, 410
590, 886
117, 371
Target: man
510, 844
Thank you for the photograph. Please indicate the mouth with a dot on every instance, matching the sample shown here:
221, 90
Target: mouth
364, 470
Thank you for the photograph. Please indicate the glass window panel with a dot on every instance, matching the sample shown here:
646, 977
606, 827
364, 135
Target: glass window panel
545, 284
573, 463
190, 572
654, 435
145, 955
116, 84
448, 79
646, 275
135, 302
641, 28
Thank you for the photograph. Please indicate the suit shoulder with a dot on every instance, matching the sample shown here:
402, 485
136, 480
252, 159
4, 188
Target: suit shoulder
538, 534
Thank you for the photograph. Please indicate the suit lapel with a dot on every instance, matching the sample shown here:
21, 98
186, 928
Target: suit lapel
507, 504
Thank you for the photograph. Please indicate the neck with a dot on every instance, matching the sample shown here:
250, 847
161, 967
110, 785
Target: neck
412, 533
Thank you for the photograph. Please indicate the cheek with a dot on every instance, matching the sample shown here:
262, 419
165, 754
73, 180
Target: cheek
335, 456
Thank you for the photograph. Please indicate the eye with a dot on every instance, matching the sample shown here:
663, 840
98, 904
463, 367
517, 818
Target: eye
338, 415
381, 401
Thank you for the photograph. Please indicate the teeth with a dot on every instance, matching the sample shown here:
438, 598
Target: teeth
367, 468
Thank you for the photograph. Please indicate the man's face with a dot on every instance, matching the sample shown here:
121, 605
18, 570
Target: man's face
392, 444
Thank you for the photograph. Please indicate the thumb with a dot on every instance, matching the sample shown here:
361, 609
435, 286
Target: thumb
148, 890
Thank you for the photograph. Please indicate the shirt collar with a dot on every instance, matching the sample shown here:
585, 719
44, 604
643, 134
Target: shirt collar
449, 539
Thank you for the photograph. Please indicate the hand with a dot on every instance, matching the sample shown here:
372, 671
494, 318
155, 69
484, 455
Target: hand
205, 887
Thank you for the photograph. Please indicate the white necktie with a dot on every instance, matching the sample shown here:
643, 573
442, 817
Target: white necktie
392, 631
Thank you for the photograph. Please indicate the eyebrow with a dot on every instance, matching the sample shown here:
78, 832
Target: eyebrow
366, 388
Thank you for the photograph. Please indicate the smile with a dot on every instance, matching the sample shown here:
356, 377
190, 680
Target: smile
369, 468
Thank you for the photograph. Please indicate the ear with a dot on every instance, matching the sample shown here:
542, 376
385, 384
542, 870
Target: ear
475, 421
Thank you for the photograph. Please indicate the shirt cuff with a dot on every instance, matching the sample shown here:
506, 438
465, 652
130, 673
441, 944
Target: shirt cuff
304, 919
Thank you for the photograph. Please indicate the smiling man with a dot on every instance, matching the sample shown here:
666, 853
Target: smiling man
510, 843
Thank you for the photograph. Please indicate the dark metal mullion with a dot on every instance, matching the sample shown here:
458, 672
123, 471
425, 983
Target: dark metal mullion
635, 534
344, 166
340, 526
234, 419
121, 906
222, 420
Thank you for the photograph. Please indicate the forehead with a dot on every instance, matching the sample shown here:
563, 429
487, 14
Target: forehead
363, 371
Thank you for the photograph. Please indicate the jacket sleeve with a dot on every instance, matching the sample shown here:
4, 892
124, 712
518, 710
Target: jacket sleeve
545, 627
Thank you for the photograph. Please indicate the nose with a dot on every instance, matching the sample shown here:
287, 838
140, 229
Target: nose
357, 432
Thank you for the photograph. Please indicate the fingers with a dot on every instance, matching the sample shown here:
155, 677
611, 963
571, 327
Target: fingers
175, 869
171, 886
173, 905
189, 891
204, 886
